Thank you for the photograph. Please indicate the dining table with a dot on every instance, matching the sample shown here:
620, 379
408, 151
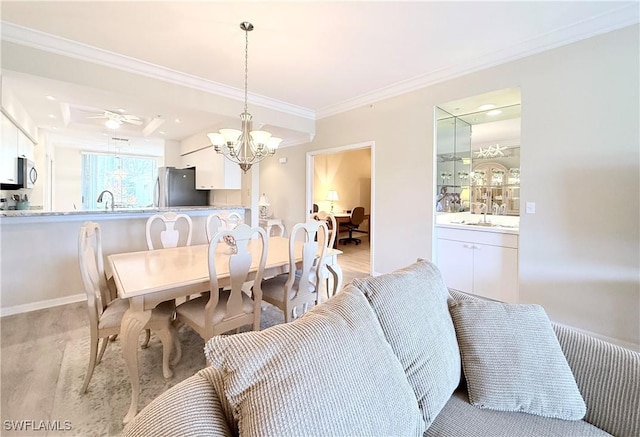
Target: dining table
148, 278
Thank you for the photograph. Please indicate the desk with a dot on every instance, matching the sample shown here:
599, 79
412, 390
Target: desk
345, 218
150, 277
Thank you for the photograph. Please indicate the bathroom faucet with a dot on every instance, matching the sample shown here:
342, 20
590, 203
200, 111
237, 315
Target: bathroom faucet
106, 204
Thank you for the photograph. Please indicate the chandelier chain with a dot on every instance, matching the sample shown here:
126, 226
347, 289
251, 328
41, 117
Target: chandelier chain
246, 67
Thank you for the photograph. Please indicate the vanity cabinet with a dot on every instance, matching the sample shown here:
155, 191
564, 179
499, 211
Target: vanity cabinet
213, 170
484, 263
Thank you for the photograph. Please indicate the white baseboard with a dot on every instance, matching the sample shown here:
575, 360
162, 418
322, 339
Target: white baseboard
43, 304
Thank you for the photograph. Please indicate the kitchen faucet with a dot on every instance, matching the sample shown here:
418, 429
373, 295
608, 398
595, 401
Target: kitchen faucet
106, 204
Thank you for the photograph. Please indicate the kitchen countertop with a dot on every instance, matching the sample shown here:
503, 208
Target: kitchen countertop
9, 216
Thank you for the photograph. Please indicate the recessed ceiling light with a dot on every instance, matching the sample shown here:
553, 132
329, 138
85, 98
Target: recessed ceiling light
52, 116
50, 98
177, 120
162, 132
486, 106
494, 112
122, 111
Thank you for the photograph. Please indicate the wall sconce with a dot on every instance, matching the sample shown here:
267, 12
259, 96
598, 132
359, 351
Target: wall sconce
263, 204
332, 195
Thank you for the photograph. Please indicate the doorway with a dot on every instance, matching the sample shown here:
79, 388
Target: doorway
348, 173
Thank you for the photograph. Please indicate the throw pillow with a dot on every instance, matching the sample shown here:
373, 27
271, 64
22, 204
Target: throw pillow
330, 372
411, 306
512, 360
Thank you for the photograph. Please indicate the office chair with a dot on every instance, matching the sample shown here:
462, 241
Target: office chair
357, 217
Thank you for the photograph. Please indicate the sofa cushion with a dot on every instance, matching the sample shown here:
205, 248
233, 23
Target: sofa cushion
512, 360
190, 408
330, 372
411, 305
461, 419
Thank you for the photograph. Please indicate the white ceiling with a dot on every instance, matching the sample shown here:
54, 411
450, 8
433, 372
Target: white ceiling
307, 60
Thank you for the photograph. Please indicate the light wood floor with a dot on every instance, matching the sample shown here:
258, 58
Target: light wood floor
32, 346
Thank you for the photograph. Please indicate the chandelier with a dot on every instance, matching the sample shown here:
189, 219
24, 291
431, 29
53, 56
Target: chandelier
245, 147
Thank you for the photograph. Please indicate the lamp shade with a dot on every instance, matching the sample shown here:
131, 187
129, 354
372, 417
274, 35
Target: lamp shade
332, 195
263, 200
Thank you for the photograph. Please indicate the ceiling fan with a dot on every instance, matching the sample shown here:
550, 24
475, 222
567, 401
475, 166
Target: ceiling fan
115, 120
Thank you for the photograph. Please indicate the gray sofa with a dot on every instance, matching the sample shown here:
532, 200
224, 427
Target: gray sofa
257, 382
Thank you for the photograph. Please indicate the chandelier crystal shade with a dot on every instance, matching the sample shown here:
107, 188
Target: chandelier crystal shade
245, 147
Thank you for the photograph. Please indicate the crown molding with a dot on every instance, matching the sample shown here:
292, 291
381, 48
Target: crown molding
603, 23
50, 43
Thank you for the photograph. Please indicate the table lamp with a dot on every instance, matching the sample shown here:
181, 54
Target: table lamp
263, 204
332, 195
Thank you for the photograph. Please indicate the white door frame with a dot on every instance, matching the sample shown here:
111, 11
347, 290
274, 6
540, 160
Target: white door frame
309, 186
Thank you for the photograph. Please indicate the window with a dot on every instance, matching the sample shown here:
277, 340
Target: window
131, 179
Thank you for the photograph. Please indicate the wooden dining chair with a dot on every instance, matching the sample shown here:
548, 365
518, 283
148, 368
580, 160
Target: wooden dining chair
225, 309
105, 313
170, 236
217, 222
299, 288
330, 220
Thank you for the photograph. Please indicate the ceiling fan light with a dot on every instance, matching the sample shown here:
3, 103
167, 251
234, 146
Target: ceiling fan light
260, 136
230, 135
112, 124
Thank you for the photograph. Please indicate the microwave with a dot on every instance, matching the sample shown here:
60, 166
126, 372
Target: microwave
27, 175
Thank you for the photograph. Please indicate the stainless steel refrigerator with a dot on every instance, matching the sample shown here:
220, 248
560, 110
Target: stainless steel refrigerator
177, 187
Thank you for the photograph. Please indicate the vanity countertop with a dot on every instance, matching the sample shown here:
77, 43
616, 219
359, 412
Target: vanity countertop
472, 222
502, 229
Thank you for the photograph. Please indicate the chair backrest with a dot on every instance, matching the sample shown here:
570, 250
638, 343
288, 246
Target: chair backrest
330, 220
357, 215
217, 222
315, 207
92, 270
170, 236
244, 253
313, 261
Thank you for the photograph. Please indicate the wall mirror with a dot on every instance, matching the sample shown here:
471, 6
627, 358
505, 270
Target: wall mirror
478, 154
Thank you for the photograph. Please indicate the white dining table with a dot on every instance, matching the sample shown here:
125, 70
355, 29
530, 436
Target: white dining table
150, 277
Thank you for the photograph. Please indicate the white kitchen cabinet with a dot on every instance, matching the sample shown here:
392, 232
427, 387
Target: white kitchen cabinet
9, 152
25, 147
213, 170
479, 262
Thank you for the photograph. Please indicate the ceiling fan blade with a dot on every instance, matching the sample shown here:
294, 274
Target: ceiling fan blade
136, 121
99, 116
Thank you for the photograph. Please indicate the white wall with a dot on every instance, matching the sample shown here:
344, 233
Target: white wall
580, 159
67, 182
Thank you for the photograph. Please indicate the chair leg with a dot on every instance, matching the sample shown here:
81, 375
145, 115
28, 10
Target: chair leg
167, 346
103, 347
92, 364
147, 337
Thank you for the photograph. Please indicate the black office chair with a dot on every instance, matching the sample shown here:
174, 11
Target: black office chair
357, 217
